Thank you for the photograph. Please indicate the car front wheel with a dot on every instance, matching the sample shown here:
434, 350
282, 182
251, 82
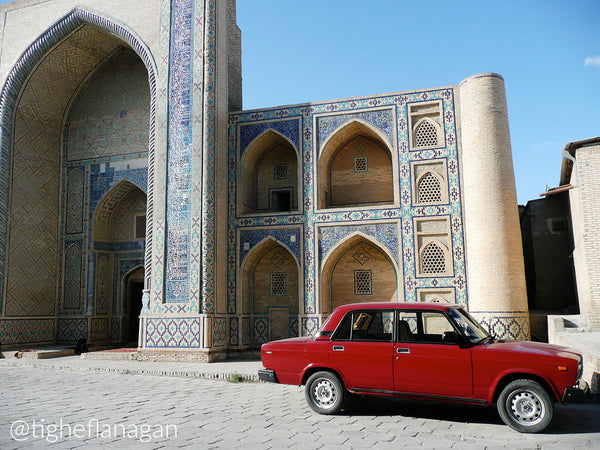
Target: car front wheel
525, 406
325, 393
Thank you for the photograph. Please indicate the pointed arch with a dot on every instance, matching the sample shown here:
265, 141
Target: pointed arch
351, 264
426, 133
434, 258
356, 154
270, 169
429, 188
21, 75
271, 289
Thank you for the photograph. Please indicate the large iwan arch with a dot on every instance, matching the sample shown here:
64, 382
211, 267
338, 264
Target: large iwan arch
45, 194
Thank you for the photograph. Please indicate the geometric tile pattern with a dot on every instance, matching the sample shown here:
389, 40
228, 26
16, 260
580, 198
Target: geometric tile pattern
381, 120
75, 196
179, 152
99, 330
219, 331
288, 128
503, 325
26, 331
173, 332
70, 330
390, 226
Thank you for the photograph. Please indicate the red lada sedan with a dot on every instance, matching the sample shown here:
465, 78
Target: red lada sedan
427, 351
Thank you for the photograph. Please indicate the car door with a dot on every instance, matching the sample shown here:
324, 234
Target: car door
426, 363
362, 350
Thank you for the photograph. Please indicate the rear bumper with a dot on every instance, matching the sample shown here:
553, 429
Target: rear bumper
580, 393
267, 375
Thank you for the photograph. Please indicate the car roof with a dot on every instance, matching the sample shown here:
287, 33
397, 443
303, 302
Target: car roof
396, 305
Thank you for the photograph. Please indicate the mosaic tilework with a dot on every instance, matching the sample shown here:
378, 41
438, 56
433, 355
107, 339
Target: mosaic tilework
219, 329
284, 236
99, 331
389, 115
75, 186
173, 333
510, 326
234, 330
115, 330
261, 330
70, 330
73, 273
26, 331
288, 128
382, 120
179, 151
384, 233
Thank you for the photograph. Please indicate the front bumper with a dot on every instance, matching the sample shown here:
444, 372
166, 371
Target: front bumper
267, 375
580, 393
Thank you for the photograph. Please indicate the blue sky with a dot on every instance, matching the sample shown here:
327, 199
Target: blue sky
313, 50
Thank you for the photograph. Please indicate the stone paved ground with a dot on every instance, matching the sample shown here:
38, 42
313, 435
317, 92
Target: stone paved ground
98, 408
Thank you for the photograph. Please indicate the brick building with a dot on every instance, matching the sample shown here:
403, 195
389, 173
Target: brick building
129, 166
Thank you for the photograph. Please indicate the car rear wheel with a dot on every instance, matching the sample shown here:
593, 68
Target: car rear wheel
325, 393
525, 406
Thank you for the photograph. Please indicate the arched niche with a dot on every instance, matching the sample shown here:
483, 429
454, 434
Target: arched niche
356, 168
271, 290
270, 180
357, 270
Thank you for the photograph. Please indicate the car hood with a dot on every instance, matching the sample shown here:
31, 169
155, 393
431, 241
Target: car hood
538, 348
290, 341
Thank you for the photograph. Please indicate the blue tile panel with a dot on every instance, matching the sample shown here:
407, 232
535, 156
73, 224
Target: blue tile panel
26, 331
389, 226
179, 153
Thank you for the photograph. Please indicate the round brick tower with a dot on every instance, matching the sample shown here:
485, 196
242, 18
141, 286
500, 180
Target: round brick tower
497, 294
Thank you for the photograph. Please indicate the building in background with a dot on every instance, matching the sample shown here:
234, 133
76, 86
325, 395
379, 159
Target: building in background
133, 183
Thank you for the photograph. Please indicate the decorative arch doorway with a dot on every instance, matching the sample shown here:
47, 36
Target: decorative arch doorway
133, 286
270, 291
357, 270
119, 231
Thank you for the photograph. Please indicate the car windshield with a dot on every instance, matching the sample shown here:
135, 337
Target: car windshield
470, 327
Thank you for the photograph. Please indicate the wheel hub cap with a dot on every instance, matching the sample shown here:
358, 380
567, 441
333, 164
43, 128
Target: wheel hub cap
324, 393
526, 408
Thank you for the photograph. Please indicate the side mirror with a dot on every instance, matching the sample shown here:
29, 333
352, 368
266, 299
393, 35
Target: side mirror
451, 337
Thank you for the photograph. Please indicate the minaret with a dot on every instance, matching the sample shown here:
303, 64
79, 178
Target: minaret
497, 295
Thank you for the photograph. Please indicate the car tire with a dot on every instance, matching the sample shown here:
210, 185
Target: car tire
525, 406
325, 393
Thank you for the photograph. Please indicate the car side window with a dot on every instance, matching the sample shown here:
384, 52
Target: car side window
366, 326
424, 327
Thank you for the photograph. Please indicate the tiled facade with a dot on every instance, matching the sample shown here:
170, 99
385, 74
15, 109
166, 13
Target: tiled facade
183, 148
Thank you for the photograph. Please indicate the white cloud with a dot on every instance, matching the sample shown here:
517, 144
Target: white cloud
592, 61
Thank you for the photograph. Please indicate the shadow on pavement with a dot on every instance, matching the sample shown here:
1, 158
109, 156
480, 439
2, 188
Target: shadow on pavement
571, 419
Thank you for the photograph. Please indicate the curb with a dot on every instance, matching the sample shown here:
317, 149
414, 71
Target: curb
161, 373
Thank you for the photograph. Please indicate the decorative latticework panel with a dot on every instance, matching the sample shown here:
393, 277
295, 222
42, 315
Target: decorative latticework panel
433, 259
429, 189
278, 284
280, 171
426, 135
363, 282
361, 164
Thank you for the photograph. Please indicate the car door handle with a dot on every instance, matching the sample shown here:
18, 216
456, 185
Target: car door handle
338, 348
403, 350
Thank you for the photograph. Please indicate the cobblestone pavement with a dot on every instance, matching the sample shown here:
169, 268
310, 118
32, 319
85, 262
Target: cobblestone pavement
115, 410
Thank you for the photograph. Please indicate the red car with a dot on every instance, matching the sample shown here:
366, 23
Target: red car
427, 351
